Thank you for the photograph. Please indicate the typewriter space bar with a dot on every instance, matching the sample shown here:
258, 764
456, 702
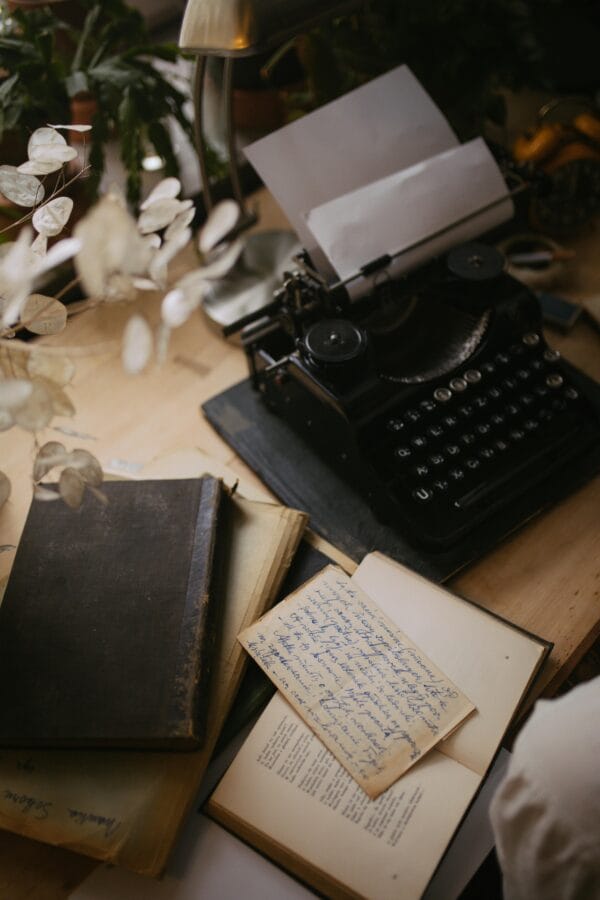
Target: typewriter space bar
530, 468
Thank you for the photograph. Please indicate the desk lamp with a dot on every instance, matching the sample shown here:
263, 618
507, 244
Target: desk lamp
232, 29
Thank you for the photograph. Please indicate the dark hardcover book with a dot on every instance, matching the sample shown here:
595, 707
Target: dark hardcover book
107, 624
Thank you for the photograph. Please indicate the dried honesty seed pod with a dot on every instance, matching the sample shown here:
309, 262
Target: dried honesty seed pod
40, 245
177, 307
167, 189
44, 137
71, 487
50, 455
51, 218
39, 167
43, 493
80, 128
218, 225
24, 190
159, 215
180, 223
137, 345
4, 488
87, 465
220, 265
43, 315
61, 404
52, 153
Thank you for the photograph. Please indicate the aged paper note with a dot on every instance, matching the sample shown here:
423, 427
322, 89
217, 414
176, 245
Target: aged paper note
368, 692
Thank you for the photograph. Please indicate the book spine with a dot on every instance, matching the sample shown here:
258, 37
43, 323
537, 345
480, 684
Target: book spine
189, 700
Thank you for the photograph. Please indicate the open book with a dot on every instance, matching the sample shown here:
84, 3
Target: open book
287, 795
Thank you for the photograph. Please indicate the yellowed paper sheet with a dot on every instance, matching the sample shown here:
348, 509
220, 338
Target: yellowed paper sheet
368, 692
127, 807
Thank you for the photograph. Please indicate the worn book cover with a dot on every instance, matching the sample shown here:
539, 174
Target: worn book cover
107, 624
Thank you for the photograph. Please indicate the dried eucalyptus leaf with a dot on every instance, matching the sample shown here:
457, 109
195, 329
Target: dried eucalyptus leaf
51, 218
24, 190
43, 136
4, 488
177, 307
144, 284
152, 240
43, 493
179, 224
87, 465
71, 486
99, 495
137, 345
224, 262
52, 153
6, 420
167, 189
58, 369
51, 454
162, 258
218, 225
39, 167
37, 411
158, 215
14, 393
44, 315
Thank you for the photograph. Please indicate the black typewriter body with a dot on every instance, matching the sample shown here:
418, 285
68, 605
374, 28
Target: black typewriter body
436, 396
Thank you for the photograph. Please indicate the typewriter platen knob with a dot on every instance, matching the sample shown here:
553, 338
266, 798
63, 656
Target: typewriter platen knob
475, 262
332, 342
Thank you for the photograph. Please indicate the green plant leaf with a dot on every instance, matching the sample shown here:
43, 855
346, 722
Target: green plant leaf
77, 83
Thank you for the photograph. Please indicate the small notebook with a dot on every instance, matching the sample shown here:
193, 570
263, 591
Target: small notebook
107, 623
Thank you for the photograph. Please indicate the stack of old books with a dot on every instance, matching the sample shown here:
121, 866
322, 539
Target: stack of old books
119, 659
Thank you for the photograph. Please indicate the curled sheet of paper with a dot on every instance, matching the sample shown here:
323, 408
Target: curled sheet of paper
366, 690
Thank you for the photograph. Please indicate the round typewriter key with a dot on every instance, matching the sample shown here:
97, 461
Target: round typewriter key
512, 409
422, 494
403, 452
442, 395
395, 425
497, 419
452, 449
571, 394
441, 485
516, 349
427, 405
466, 411
531, 339
559, 404
502, 359
494, 393
530, 424
450, 421
486, 453
480, 402
457, 474
468, 438
551, 355
517, 435
421, 471
527, 399
412, 415
488, 367
554, 380
419, 441
436, 459
472, 463
472, 376
541, 390
536, 365
500, 445
458, 385
435, 431
523, 374
509, 383
483, 428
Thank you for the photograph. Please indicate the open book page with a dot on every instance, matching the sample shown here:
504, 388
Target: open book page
288, 796
377, 129
127, 807
492, 662
366, 690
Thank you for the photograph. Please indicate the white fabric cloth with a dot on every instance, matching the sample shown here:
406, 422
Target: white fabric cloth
546, 812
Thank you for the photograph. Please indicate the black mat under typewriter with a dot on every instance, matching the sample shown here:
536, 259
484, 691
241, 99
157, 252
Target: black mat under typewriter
436, 397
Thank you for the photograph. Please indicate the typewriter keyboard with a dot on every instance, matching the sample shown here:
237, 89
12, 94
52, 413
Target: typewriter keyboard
470, 445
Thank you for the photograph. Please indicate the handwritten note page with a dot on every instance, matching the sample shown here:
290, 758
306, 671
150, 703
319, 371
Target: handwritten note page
373, 698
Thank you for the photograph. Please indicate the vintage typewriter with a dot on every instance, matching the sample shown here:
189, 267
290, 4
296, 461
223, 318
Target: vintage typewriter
435, 396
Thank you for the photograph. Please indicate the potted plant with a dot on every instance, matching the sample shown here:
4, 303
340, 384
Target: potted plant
54, 59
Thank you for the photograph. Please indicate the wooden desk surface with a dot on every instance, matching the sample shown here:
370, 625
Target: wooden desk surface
546, 578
